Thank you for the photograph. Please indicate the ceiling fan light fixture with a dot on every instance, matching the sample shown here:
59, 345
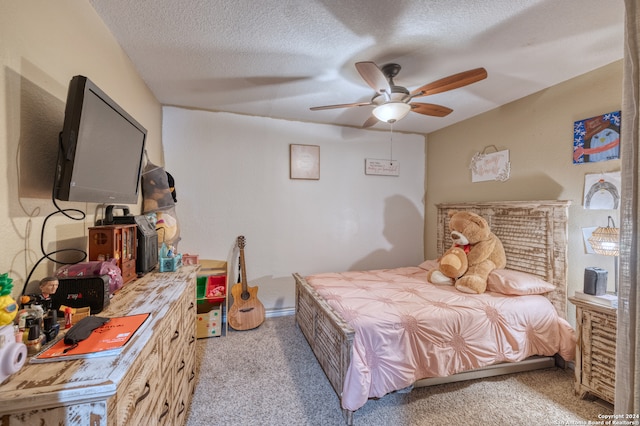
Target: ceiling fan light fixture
390, 112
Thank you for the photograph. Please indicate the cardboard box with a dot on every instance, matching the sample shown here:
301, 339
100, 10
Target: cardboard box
189, 259
209, 324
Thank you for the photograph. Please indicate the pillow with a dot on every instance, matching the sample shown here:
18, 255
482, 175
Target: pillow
429, 264
507, 281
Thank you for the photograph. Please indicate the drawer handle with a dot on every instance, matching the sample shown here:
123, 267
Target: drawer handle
147, 390
191, 306
182, 365
192, 340
176, 334
182, 406
166, 410
192, 376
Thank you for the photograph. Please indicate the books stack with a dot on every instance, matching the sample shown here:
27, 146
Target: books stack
608, 299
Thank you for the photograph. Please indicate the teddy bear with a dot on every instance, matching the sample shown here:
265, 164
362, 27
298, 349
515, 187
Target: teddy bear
484, 252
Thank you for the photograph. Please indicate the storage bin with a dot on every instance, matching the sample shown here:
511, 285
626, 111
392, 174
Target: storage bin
216, 288
212, 287
201, 286
209, 324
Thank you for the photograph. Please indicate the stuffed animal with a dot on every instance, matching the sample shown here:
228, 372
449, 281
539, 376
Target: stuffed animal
451, 266
167, 227
156, 192
471, 233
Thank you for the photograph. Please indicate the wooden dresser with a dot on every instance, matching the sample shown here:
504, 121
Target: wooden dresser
596, 351
150, 382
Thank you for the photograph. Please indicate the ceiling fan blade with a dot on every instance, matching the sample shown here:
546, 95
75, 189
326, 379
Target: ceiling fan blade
371, 121
355, 104
452, 82
430, 109
373, 76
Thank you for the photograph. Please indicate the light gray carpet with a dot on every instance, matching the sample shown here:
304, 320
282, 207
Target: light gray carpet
269, 376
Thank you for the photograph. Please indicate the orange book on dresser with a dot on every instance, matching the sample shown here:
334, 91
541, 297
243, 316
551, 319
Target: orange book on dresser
108, 339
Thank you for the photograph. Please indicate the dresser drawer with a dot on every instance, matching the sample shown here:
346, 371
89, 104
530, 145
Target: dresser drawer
128, 270
136, 399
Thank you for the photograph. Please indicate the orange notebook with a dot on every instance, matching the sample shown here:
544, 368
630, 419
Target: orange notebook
106, 340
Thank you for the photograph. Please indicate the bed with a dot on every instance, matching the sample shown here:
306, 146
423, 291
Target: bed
347, 341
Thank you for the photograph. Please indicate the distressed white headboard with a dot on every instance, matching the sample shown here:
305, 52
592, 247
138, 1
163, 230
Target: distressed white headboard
534, 235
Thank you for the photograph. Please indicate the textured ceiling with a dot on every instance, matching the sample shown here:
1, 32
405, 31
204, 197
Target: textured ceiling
278, 58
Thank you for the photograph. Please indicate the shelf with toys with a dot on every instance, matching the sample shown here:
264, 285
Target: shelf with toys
211, 298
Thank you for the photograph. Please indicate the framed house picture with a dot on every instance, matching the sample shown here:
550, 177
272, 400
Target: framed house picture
304, 162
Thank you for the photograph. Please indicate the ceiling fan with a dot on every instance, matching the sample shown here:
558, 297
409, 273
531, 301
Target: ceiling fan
393, 103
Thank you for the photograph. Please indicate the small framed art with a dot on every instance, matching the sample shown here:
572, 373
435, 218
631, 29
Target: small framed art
597, 138
381, 167
304, 161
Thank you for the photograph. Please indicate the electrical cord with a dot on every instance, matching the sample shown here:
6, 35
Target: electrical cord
48, 255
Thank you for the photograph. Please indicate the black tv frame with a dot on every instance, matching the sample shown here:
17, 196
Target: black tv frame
83, 91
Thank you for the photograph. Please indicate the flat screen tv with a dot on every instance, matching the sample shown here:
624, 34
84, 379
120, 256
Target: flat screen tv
101, 148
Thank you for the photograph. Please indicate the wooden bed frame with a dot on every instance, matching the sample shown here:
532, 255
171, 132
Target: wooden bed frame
534, 235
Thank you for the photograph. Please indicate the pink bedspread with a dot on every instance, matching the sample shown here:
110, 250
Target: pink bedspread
408, 329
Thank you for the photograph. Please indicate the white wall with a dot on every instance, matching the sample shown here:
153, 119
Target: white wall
232, 178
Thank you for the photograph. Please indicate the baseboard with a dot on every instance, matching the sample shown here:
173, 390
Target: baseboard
279, 312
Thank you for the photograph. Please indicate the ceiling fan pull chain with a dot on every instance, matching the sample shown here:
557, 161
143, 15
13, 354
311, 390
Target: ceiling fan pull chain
391, 145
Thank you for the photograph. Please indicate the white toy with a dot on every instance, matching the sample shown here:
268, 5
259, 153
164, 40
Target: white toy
12, 354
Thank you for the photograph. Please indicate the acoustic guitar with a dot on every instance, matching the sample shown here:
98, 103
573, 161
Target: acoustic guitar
247, 311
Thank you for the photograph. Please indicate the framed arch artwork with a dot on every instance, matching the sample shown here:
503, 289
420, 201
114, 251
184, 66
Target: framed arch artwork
602, 191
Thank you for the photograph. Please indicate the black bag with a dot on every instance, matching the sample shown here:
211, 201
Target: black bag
83, 329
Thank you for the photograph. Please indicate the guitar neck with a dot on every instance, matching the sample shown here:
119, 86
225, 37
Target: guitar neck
243, 271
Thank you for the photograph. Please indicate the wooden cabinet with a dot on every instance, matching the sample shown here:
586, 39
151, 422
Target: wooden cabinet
115, 242
596, 350
150, 382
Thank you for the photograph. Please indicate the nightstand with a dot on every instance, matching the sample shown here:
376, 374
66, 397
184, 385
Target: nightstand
596, 350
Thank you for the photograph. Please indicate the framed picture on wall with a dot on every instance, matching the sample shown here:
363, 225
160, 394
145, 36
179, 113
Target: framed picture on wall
602, 190
304, 162
597, 138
